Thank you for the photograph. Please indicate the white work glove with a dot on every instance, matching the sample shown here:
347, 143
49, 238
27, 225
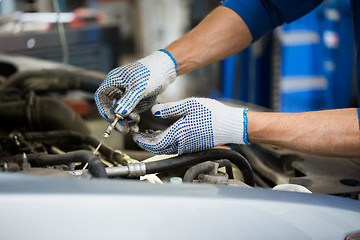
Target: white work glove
133, 88
204, 123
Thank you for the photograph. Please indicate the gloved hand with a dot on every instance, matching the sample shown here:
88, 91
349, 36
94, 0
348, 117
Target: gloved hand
134, 87
204, 123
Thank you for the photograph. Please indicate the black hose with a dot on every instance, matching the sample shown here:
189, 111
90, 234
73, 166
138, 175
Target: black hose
208, 155
223, 156
96, 167
41, 113
70, 137
252, 154
194, 171
55, 79
227, 164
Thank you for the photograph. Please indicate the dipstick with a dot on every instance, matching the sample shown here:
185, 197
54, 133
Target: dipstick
108, 131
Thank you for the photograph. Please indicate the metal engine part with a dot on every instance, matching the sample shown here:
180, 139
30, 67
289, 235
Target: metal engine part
325, 175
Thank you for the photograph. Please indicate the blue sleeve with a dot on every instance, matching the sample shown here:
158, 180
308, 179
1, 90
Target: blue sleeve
261, 16
355, 6
359, 117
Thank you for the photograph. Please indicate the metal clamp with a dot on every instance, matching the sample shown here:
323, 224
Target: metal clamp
136, 169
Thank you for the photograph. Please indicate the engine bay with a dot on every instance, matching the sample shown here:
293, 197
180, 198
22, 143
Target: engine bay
42, 134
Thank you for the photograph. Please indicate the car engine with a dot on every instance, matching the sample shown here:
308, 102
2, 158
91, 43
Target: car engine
41, 133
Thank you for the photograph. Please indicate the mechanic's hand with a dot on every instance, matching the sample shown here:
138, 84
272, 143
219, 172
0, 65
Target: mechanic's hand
134, 87
205, 123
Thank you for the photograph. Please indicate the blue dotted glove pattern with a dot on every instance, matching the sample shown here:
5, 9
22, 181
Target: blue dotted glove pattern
191, 133
134, 87
123, 88
147, 101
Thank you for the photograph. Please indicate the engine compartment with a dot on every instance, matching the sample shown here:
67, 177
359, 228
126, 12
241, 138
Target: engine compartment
40, 134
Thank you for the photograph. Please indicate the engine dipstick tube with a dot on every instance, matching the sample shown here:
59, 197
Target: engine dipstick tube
108, 131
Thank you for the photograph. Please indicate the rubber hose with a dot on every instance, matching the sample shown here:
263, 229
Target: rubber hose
251, 153
208, 155
55, 79
227, 164
41, 113
161, 165
76, 137
206, 167
96, 167
194, 171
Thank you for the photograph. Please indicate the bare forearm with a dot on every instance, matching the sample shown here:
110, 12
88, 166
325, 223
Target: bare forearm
221, 34
330, 132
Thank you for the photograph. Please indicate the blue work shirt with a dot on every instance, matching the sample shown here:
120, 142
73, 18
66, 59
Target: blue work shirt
262, 16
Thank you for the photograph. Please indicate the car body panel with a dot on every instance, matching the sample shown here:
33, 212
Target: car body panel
35, 207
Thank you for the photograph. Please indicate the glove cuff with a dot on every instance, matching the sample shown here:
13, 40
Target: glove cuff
171, 57
232, 126
162, 67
